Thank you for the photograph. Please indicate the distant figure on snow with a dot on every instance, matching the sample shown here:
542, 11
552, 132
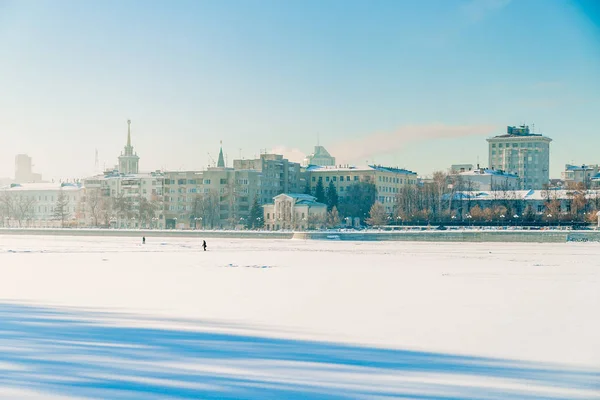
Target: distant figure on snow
143, 239
204, 245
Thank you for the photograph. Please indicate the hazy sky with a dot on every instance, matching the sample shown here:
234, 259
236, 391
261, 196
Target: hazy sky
416, 84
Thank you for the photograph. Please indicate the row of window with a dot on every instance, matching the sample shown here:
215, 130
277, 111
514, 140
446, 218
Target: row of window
515, 145
334, 178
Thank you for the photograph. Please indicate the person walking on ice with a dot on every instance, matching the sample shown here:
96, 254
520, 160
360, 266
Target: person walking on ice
204, 245
143, 239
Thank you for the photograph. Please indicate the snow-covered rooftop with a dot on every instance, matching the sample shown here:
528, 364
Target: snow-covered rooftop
41, 186
365, 168
486, 171
570, 167
558, 194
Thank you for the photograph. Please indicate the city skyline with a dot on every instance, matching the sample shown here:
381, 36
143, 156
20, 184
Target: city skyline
418, 86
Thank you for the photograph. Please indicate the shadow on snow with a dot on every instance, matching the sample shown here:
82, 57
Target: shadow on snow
76, 353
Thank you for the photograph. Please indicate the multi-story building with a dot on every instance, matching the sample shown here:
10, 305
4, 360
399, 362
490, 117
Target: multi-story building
388, 181
121, 198
277, 175
458, 168
522, 153
488, 179
320, 157
35, 204
586, 175
24, 170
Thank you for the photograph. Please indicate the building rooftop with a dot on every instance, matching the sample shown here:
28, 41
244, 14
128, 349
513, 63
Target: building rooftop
519, 132
302, 198
486, 171
584, 167
553, 194
351, 168
42, 186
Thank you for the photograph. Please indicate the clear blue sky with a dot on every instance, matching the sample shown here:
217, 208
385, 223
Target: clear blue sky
418, 84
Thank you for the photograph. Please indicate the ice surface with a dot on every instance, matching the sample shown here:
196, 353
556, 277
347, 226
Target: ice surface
97, 317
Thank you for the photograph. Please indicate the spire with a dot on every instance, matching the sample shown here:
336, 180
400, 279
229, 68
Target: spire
221, 162
128, 133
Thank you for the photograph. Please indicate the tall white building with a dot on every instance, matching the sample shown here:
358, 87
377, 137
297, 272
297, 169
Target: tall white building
522, 153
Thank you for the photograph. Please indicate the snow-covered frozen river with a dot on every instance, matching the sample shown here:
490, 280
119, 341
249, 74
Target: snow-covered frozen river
93, 317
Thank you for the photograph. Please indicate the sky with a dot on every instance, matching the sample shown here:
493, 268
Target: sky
413, 84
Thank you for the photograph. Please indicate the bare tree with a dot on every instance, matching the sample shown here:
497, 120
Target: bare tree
61, 208
8, 209
377, 215
94, 204
206, 206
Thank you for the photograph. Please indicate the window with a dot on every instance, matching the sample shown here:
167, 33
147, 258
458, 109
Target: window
223, 181
334, 178
326, 179
499, 145
207, 182
493, 144
355, 178
341, 178
314, 179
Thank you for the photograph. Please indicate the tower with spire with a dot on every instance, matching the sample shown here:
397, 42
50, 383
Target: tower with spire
128, 160
221, 161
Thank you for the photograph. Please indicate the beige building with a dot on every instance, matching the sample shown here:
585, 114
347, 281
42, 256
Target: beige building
388, 181
294, 212
522, 153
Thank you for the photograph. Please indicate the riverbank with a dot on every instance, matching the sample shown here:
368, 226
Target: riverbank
466, 235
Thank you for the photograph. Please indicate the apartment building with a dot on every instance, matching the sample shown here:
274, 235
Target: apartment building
277, 175
522, 153
388, 181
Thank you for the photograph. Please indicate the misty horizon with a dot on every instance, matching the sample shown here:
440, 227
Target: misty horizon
391, 83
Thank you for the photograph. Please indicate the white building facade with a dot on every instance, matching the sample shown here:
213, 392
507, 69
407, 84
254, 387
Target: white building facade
586, 175
294, 212
488, 179
522, 153
34, 205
